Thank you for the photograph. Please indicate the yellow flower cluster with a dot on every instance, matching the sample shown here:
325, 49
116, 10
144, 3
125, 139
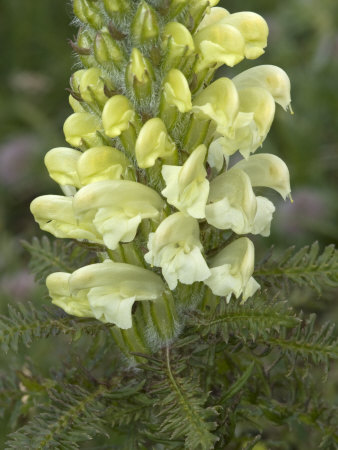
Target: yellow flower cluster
149, 166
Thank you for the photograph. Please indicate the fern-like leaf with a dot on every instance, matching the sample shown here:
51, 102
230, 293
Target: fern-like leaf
25, 323
74, 417
257, 317
183, 413
49, 256
74, 414
305, 342
306, 267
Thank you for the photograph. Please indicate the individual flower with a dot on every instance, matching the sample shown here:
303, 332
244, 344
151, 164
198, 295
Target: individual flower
252, 123
106, 291
176, 91
112, 288
231, 270
117, 114
58, 287
267, 170
70, 167
61, 163
153, 142
252, 27
254, 30
116, 208
101, 163
54, 213
187, 187
83, 129
218, 102
272, 78
219, 44
176, 248
232, 203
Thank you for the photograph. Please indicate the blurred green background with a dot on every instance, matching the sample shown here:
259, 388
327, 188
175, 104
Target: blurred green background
36, 63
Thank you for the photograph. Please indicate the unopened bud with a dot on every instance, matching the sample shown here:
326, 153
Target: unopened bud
139, 74
61, 163
197, 9
145, 24
177, 6
106, 49
85, 44
178, 43
89, 85
117, 114
116, 6
88, 12
82, 128
153, 142
215, 15
75, 105
176, 91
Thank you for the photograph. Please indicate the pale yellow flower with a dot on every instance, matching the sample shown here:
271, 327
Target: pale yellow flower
117, 114
272, 78
58, 287
101, 163
218, 102
215, 15
153, 142
267, 170
61, 163
176, 91
82, 128
176, 248
54, 213
187, 187
254, 30
219, 44
252, 123
112, 288
232, 203
231, 270
116, 208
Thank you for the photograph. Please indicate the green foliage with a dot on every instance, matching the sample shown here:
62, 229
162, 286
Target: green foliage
318, 346
72, 416
182, 407
305, 267
256, 317
217, 378
26, 323
54, 255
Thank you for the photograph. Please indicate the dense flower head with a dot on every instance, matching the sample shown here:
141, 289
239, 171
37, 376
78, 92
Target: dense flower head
148, 176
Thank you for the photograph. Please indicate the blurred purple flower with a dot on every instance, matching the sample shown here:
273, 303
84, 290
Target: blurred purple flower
15, 156
309, 206
18, 285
